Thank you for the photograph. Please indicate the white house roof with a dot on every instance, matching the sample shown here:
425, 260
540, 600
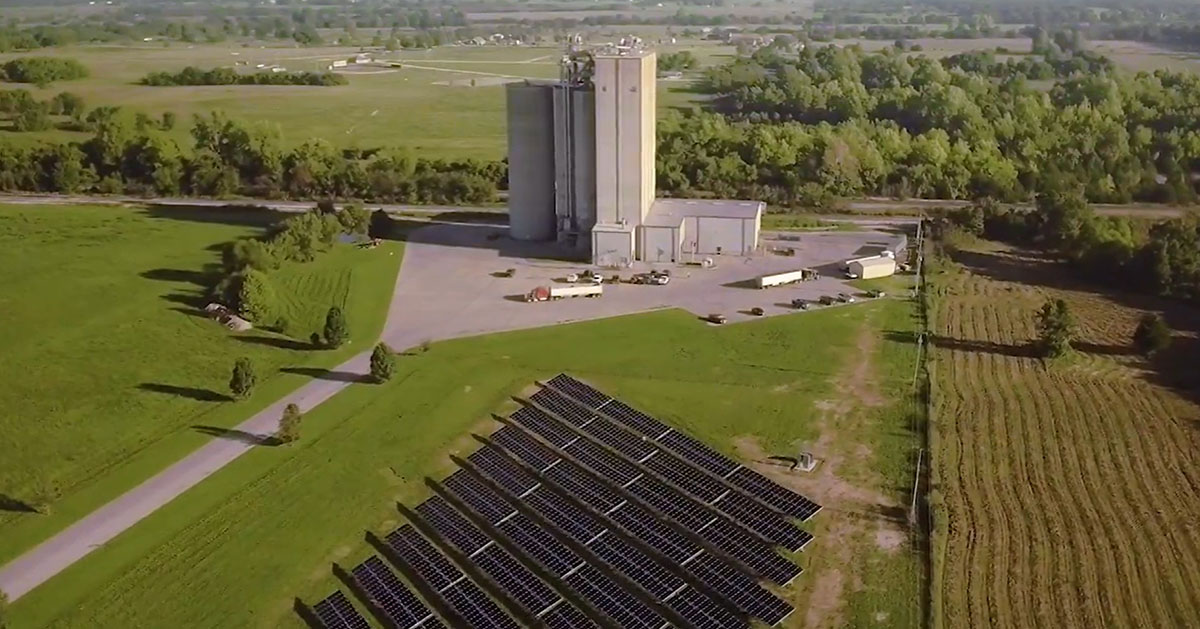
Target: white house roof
671, 212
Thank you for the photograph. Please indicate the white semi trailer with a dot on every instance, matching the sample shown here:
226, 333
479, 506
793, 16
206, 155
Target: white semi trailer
787, 277
547, 293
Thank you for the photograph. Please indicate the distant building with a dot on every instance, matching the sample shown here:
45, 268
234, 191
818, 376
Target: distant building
581, 156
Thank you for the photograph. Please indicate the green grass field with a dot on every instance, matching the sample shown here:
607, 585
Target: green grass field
237, 549
433, 108
111, 373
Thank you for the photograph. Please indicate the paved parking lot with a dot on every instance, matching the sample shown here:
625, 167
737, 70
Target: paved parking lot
450, 284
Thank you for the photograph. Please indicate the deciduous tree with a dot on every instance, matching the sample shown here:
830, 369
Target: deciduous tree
1056, 328
242, 382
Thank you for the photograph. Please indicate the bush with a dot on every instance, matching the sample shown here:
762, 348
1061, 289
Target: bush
1056, 328
1152, 335
315, 339
242, 382
383, 363
42, 71
289, 424
256, 299
336, 332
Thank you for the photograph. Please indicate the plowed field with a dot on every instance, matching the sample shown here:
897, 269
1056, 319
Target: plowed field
1067, 494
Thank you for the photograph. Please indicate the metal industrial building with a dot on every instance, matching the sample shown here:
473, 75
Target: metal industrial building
582, 170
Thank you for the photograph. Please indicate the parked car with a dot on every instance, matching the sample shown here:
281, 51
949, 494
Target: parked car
845, 298
876, 294
826, 300
756, 311
716, 318
799, 304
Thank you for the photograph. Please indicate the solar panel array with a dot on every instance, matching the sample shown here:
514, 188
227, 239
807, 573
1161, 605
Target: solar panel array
581, 513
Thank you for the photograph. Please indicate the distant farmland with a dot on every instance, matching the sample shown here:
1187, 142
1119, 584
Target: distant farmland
1065, 494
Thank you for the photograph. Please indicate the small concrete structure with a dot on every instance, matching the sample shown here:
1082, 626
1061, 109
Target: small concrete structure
675, 228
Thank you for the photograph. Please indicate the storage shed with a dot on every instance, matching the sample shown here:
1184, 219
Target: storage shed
871, 268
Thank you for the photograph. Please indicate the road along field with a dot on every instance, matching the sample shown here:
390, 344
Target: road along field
235, 550
1066, 493
111, 371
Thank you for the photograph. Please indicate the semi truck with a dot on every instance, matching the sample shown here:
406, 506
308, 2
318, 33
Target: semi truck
788, 277
547, 293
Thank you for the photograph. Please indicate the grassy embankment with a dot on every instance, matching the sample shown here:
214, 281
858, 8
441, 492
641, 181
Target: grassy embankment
237, 549
111, 372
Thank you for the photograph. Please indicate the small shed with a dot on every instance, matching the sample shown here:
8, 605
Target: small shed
871, 268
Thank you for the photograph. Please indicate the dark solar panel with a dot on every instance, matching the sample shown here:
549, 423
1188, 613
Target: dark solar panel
433, 622
634, 419
632, 447
499, 468
336, 612
663, 498
756, 555
564, 408
763, 521
655, 533
525, 588
698, 454
538, 422
572, 479
388, 594
476, 608
566, 516
742, 592
432, 566
633, 563
566, 616
685, 477
538, 544
452, 526
622, 607
773, 493
702, 612
478, 496
578, 390
519, 443
603, 462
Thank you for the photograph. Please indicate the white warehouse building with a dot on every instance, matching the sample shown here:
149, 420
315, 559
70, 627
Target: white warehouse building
581, 156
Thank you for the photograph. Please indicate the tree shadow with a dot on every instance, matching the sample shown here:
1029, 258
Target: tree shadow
230, 214
13, 505
240, 436
280, 342
191, 393
199, 278
326, 374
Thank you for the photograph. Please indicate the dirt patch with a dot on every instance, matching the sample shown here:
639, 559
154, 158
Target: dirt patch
826, 601
889, 538
865, 379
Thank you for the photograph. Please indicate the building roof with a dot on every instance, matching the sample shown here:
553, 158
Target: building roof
622, 52
671, 212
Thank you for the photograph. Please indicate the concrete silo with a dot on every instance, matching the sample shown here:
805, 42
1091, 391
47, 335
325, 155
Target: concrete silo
531, 161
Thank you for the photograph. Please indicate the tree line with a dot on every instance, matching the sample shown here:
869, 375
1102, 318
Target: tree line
25, 113
828, 122
41, 71
1161, 258
130, 153
192, 75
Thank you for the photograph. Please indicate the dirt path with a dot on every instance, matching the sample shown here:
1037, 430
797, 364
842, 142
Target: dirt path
853, 512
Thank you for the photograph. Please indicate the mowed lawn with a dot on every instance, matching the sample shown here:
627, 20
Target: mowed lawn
238, 549
1066, 492
110, 372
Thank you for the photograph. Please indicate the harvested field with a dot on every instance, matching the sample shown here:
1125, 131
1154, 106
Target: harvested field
1065, 493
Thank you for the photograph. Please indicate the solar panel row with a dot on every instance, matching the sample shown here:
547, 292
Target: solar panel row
757, 517
544, 549
388, 595
640, 524
620, 555
773, 494
336, 612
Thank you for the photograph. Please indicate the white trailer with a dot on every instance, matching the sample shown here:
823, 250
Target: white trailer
787, 277
544, 293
